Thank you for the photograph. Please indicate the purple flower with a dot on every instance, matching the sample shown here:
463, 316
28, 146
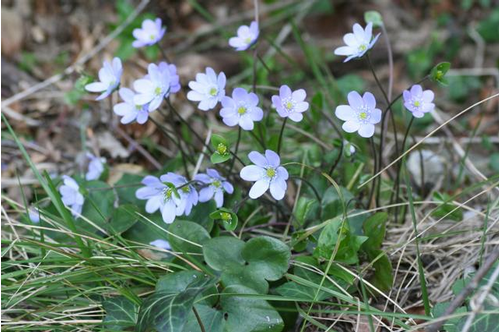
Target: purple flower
418, 102
217, 185
360, 115
96, 167
71, 196
188, 193
241, 109
150, 33
157, 85
109, 76
246, 37
290, 104
130, 111
208, 89
267, 174
34, 214
358, 43
162, 244
162, 197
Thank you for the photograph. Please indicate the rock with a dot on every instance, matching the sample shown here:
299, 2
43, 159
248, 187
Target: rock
433, 167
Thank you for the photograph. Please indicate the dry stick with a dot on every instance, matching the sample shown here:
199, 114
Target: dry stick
139, 148
79, 62
460, 298
425, 137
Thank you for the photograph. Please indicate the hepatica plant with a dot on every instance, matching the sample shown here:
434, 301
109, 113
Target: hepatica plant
239, 188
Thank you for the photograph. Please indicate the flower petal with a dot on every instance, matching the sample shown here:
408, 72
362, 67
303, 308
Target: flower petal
257, 158
251, 173
345, 112
259, 188
350, 126
355, 100
366, 130
272, 158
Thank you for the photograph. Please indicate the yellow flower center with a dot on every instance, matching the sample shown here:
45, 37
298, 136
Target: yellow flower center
217, 184
152, 37
158, 90
416, 103
167, 194
226, 216
439, 74
185, 189
248, 40
213, 92
289, 105
242, 110
270, 172
363, 115
362, 47
221, 148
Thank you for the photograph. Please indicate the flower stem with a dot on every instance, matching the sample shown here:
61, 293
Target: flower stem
334, 165
200, 323
235, 150
163, 54
375, 168
281, 136
382, 133
398, 174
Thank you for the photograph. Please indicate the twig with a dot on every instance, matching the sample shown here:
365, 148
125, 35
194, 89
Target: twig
460, 298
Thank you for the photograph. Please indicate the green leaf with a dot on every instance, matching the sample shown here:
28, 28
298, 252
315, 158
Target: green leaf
374, 17
446, 208
229, 218
98, 207
451, 324
374, 228
121, 313
168, 311
487, 28
179, 281
439, 71
124, 217
249, 314
332, 203
222, 152
302, 209
250, 264
187, 236
212, 319
126, 187
200, 214
308, 272
349, 244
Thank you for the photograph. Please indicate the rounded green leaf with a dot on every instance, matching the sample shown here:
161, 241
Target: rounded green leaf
374, 17
224, 253
187, 236
249, 314
268, 256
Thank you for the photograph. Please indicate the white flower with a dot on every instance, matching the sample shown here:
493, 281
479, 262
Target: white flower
34, 215
216, 186
418, 102
162, 244
241, 109
130, 111
247, 36
360, 115
149, 34
358, 43
267, 174
71, 196
96, 167
161, 81
109, 76
290, 104
208, 89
